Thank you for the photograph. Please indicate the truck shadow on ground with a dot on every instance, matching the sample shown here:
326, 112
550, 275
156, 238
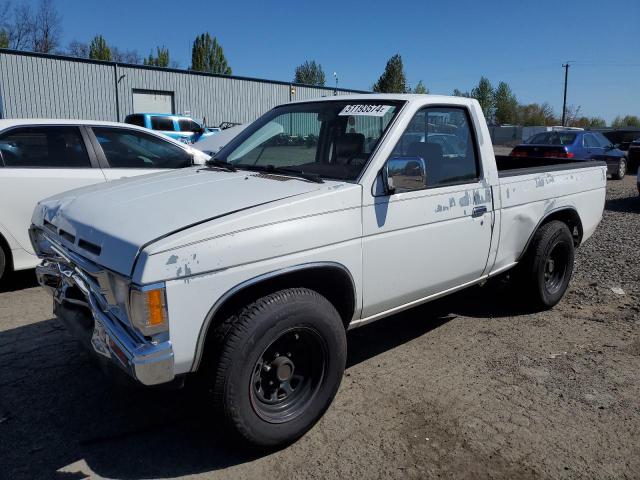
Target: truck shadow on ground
627, 205
61, 418
18, 281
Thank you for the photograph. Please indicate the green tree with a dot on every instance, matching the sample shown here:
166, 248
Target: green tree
98, 49
626, 121
506, 105
161, 59
309, 73
420, 88
535, 114
4, 39
393, 80
460, 93
483, 92
586, 122
207, 56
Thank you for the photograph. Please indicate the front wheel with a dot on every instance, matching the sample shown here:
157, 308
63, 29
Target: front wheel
621, 170
549, 264
280, 365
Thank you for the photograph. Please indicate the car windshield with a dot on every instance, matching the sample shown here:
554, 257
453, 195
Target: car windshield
552, 138
329, 139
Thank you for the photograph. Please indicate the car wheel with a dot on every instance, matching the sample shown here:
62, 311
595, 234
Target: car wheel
3, 263
549, 264
281, 360
622, 169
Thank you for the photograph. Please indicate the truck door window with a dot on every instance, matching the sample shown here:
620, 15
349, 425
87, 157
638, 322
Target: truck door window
126, 148
162, 123
44, 147
442, 137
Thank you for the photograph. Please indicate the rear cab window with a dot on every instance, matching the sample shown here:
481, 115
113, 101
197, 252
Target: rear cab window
162, 123
44, 147
187, 125
553, 138
135, 120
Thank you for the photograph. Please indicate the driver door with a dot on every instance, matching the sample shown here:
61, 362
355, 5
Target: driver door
125, 152
434, 234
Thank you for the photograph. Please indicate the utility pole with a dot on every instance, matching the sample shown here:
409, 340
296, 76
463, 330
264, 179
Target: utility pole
564, 103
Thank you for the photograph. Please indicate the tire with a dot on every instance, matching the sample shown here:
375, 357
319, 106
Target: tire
294, 339
3, 263
621, 171
548, 265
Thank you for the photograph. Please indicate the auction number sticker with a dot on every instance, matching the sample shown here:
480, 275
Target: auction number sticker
369, 110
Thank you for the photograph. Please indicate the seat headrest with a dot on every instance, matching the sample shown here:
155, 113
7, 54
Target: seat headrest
349, 144
428, 151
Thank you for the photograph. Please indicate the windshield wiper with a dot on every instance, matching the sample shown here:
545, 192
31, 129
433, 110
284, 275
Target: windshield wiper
292, 172
214, 162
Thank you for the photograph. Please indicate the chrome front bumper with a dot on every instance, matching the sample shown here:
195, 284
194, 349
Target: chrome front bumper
148, 362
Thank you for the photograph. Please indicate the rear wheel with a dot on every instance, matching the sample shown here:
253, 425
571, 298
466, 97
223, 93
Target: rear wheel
549, 264
280, 364
622, 169
3, 263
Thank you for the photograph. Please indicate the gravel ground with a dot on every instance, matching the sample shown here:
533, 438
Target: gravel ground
468, 387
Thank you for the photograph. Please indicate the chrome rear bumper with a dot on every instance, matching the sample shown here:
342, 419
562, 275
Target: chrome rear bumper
148, 362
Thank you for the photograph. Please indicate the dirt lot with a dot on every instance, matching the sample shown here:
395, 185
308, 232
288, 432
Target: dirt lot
470, 387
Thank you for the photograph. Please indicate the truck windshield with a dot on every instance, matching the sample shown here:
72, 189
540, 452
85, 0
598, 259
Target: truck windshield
329, 139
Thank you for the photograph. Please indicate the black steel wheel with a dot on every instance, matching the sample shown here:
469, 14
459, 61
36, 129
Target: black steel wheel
555, 267
279, 365
288, 374
548, 264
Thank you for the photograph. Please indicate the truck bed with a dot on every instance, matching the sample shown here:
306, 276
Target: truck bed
509, 166
531, 189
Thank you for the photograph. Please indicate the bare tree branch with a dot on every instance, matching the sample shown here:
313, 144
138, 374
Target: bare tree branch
46, 28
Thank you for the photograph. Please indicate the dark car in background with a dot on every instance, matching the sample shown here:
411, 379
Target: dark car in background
633, 155
575, 144
623, 138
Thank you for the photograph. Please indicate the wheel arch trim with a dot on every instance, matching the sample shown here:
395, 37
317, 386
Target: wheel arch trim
543, 220
204, 329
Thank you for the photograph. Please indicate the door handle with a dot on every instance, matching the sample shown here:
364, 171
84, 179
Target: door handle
479, 211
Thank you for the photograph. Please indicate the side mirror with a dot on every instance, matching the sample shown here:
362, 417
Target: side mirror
403, 174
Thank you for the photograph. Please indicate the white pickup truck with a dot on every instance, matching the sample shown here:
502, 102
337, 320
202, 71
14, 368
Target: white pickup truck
320, 216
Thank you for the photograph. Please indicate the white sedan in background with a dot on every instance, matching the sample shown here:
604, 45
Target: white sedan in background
40, 158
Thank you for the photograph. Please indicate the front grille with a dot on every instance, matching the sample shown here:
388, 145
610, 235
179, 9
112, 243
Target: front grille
67, 236
50, 226
90, 247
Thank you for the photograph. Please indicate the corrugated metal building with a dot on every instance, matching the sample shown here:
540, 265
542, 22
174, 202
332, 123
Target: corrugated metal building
52, 86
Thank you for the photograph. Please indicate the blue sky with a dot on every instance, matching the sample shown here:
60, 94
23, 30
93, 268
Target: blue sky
447, 44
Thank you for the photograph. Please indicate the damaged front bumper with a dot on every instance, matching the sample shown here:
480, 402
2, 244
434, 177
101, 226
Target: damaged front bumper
81, 307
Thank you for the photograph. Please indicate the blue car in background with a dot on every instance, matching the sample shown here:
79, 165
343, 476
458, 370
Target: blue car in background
577, 145
179, 127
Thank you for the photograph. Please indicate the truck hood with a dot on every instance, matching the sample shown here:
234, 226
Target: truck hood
111, 223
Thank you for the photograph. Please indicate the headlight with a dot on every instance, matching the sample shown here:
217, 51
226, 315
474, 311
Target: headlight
148, 309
